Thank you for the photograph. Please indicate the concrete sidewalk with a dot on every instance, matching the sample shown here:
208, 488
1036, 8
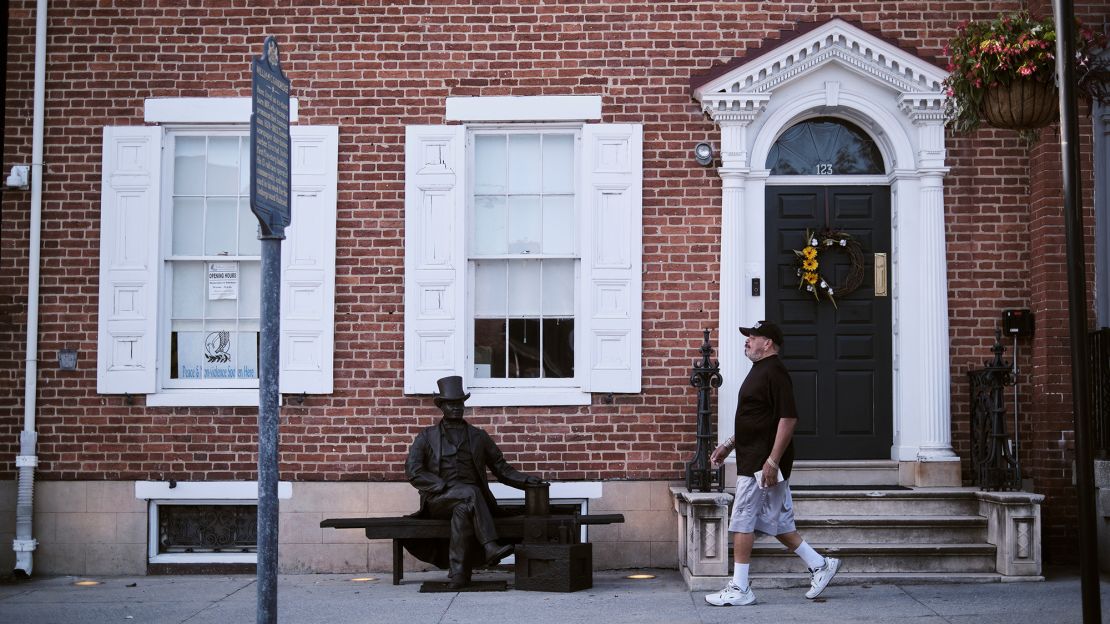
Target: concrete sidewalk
613, 599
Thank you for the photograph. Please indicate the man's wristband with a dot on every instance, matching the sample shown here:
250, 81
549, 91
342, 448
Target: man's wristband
730, 443
772, 462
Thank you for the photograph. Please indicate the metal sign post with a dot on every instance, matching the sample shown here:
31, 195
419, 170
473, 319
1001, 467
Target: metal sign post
270, 193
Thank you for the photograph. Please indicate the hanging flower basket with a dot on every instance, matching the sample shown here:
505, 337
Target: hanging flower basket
1022, 105
1003, 72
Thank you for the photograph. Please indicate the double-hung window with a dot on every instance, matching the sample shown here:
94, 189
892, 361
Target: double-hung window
523, 252
212, 269
180, 258
523, 257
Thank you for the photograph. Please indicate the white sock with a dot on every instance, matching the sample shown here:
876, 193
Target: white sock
740, 574
810, 556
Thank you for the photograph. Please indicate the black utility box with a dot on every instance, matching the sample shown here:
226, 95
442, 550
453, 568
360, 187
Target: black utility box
554, 567
1017, 322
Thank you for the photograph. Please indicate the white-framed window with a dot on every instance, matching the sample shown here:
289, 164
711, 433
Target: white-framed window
523, 257
211, 269
523, 252
179, 262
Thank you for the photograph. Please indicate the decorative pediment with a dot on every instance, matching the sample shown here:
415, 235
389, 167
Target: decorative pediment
741, 91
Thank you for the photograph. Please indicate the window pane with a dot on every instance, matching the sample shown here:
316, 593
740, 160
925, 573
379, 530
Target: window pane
250, 285
244, 166
489, 288
558, 224
188, 165
219, 353
188, 290
558, 288
249, 245
489, 348
188, 226
524, 288
489, 164
223, 166
825, 146
187, 355
558, 347
224, 309
219, 226
524, 348
525, 224
524, 163
489, 225
246, 359
558, 163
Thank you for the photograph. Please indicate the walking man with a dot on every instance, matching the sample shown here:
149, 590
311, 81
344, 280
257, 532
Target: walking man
765, 420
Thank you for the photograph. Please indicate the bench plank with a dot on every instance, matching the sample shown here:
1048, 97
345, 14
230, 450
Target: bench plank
509, 529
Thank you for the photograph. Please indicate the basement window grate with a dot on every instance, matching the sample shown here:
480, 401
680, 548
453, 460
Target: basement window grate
207, 529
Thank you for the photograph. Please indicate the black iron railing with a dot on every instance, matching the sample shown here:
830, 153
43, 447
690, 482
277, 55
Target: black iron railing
1099, 353
701, 476
994, 460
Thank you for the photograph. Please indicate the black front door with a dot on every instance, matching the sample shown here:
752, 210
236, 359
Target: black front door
839, 357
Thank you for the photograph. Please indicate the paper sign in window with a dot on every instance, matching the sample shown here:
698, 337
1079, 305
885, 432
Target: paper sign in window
223, 280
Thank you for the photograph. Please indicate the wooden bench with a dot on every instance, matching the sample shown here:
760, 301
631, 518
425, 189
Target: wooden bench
510, 529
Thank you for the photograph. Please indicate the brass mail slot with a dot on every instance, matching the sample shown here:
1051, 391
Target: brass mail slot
880, 275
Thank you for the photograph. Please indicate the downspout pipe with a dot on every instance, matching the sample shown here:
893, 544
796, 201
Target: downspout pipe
24, 544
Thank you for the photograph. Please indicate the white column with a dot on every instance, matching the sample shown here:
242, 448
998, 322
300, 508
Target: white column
734, 172
924, 362
936, 413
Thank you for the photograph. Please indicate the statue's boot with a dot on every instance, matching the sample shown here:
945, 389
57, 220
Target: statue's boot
496, 552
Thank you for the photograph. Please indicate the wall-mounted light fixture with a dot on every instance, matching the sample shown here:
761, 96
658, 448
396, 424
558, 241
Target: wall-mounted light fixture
703, 153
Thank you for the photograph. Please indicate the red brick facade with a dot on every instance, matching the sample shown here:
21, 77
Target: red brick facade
374, 69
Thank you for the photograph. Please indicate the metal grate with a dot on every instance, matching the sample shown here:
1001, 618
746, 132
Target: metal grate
1099, 347
207, 528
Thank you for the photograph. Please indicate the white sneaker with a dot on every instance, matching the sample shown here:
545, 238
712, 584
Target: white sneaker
732, 596
822, 576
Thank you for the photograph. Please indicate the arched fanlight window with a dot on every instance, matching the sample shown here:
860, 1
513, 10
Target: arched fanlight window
824, 146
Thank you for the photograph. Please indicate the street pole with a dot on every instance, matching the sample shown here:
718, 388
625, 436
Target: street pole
1064, 12
268, 429
270, 193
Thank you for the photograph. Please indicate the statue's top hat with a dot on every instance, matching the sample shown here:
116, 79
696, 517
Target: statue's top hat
450, 389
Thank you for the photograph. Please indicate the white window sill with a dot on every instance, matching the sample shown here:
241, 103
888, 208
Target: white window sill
518, 397
212, 492
205, 558
204, 398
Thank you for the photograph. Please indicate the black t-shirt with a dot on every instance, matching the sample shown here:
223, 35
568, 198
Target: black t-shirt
766, 396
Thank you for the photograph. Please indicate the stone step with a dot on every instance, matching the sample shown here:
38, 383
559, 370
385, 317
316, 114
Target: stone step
890, 529
785, 580
845, 472
883, 558
879, 502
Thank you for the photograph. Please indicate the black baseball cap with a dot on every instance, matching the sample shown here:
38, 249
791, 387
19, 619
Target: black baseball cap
767, 329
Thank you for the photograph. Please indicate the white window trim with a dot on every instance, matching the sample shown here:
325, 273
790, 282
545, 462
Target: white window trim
538, 108
204, 110
200, 393
159, 493
203, 397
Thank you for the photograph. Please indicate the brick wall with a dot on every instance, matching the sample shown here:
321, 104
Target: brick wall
374, 69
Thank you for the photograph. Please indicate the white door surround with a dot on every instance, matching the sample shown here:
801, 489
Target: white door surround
839, 70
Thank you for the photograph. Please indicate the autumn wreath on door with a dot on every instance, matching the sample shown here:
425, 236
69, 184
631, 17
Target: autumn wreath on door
809, 259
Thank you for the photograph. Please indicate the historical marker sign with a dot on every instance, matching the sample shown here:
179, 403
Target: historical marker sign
270, 158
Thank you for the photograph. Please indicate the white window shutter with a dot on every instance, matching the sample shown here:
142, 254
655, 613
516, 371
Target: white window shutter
611, 236
308, 263
129, 267
435, 260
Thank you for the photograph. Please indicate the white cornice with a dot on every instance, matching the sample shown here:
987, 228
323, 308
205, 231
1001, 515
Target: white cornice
751, 84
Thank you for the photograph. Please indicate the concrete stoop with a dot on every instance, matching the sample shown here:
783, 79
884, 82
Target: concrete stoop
919, 535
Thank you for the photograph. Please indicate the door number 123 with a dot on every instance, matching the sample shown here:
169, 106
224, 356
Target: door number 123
824, 169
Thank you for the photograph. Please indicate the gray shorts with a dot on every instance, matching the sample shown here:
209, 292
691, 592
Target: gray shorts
764, 510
